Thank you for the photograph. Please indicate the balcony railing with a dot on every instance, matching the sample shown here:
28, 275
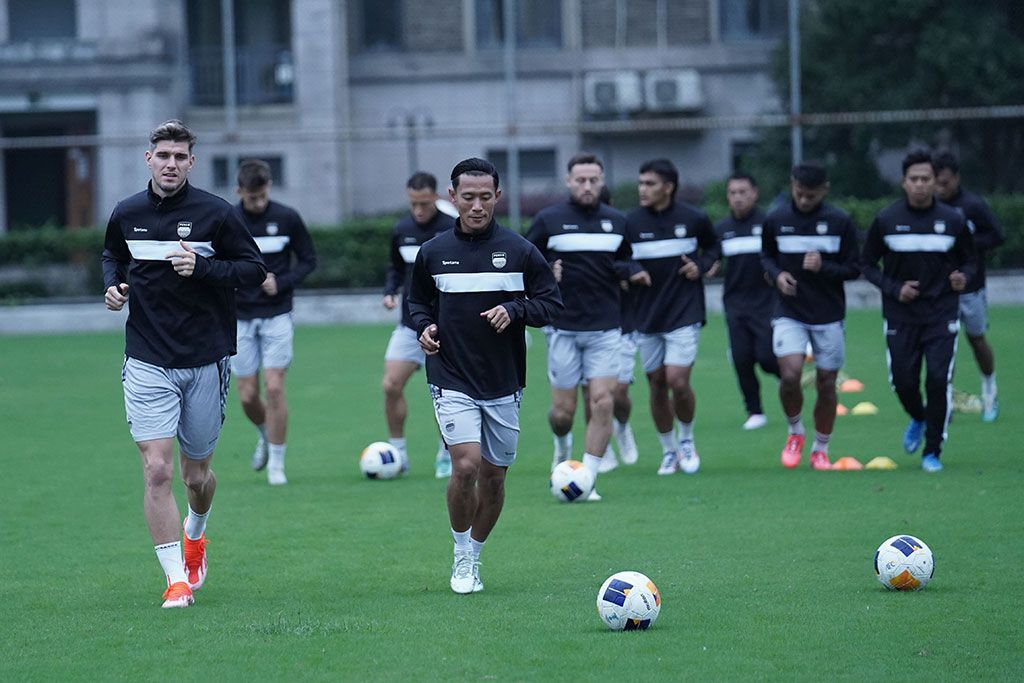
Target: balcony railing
264, 74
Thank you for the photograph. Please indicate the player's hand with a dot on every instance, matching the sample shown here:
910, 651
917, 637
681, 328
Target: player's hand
429, 342
713, 270
909, 291
957, 281
270, 285
812, 261
498, 318
641, 278
184, 262
786, 283
556, 270
390, 301
690, 270
116, 297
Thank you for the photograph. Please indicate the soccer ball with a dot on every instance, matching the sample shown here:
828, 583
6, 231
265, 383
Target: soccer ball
381, 460
571, 481
628, 601
904, 563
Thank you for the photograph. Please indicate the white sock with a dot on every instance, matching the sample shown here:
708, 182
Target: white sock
988, 385
262, 429
686, 431
195, 524
620, 427
442, 450
668, 441
276, 460
609, 452
477, 547
169, 555
462, 540
398, 443
821, 442
564, 444
795, 425
591, 462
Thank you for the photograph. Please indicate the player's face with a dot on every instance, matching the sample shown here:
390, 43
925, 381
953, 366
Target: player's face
654, 192
741, 196
255, 201
806, 199
946, 184
422, 204
475, 200
585, 182
919, 184
170, 163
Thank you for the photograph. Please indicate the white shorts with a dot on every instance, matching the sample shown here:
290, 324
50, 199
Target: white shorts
974, 313
790, 337
162, 403
575, 356
263, 341
493, 423
678, 347
404, 345
627, 357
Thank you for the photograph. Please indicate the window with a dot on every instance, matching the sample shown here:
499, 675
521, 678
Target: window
534, 164
538, 23
222, 178
381, 25
752, 19
644, 23
30, 20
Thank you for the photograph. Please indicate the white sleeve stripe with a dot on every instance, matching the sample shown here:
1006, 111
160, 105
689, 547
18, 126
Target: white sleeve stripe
272, 244
930, 243
664, 248
464, 283
409, 252
799, 244
157, 250
584, 241
750, 244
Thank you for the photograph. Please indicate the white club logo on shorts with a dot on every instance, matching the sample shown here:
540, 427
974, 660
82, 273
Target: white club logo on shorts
184, 229
681, 230
499, 259
940, 227
606, 225
449, 426
821, 228
271, 228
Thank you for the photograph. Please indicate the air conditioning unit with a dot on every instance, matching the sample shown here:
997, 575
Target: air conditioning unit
612, 92
668, 90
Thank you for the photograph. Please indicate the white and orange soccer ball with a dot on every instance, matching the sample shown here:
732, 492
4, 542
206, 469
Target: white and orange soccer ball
571, 481
904, 563
381, 460
628, 601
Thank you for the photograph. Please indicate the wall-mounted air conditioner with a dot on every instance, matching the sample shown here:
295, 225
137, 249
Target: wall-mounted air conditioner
668, 90
612, 92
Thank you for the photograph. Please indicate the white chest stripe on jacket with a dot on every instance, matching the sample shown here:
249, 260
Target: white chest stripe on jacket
584, 241
272, 244
750, 244
799, 244
157, 250
664, 248
464, 283
408, 252
933, 243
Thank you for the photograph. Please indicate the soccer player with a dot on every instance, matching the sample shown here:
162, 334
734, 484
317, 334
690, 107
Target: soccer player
675, 244
585, 242
748, 298
988, 234
265, 329
404, 356
473, 291
928, 258
809, 248
175, 254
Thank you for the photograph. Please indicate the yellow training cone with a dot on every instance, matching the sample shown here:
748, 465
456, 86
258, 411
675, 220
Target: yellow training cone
880, 463
847, 463
864, 408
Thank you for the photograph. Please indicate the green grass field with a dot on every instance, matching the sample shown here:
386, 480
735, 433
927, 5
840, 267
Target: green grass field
764, 572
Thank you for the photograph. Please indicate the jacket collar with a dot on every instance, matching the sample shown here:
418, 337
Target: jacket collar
485, 234
168, 202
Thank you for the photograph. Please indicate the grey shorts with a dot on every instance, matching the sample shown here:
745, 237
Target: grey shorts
678, 347
827, 342
404, 345
576, 356
263, 341
974, 313
627, 357
162, 403
493, 423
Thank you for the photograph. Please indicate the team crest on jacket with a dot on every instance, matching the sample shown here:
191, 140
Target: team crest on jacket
606, 225
271, 228
755, 231
821, 228
681, 230
499, 259
184, 229
940, 227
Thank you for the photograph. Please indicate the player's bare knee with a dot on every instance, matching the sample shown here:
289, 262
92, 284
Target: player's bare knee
157, 475
392, 387
275, 394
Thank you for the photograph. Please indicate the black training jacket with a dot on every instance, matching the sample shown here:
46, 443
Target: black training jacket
983, 224
746, 291
406, 240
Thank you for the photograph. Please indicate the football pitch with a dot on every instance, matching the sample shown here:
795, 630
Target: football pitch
764, 572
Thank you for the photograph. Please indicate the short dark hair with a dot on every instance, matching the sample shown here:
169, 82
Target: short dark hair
917, 156
741, 175
173, 130
583, 158
474, 166
421, 180
253, 174
810, 174
946, 159
665, 169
